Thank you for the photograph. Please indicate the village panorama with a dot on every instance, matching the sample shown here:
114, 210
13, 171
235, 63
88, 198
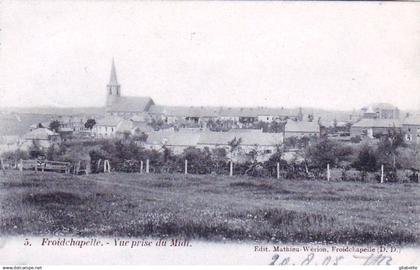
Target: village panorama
138, 168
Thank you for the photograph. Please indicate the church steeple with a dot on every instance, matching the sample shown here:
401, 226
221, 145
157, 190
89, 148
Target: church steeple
113, 79
113, 88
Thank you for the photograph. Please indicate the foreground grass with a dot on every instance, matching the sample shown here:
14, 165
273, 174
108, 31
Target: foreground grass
209, 207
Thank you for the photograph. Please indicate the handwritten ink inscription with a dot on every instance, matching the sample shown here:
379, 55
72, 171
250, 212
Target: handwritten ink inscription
312, 259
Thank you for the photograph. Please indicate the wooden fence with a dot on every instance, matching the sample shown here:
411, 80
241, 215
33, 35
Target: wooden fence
44, 165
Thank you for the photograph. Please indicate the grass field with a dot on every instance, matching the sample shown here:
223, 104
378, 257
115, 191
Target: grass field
209, 207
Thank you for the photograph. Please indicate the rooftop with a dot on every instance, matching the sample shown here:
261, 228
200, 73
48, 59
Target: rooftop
130, 104
112, 121
39, 134
301, 126
385, 123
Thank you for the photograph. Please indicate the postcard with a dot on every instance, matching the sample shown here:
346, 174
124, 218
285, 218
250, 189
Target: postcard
209, 133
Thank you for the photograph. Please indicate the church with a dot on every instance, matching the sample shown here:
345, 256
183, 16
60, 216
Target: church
124, 106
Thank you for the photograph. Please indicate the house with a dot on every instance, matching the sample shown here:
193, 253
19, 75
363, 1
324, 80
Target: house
131, 128
262, 145
65, 134
106, 127
176, 141
75, 123
380, 111
198, 115
269, 115
411, 129
373, 127
41, 137
300, 129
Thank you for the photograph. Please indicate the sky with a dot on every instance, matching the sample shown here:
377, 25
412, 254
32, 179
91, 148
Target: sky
331, 55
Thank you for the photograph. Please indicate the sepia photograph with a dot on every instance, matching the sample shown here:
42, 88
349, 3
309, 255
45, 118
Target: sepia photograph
198, 132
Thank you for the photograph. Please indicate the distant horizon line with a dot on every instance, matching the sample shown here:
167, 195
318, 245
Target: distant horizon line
208, 106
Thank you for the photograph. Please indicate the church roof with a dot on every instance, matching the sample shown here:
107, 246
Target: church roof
130, 104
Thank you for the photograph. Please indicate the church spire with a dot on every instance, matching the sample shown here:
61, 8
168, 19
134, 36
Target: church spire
113, 88
113, 78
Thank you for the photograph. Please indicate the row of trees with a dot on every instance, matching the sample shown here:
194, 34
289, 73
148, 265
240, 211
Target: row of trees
126, 154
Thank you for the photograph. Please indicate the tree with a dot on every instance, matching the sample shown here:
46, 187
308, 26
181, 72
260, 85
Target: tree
90, 123
126, 135
291, 141
388, 146
199, 161
366, 160
35, 151
253, 154
276, 127
140, 136
328, 152
55, 126
218, 156
310, 117
234, 145
335, 124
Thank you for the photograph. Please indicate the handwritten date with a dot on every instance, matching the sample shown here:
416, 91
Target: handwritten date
311, 259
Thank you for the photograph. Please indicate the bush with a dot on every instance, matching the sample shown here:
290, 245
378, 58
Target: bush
404, 176
336, 174
35, 152
366, 160
328, 152
199, 161
15, 155
351, 175
356, 139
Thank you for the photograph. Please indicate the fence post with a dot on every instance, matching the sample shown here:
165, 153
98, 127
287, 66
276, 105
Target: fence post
78, 167
36, 165
141, 166
382, 173
98, 165
231, 168
186, 167
88, 167
2, 166
21, 165
109, 166
328, 172
278, 170
147, 166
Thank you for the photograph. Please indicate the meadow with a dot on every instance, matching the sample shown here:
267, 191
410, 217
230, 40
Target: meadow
209, 207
